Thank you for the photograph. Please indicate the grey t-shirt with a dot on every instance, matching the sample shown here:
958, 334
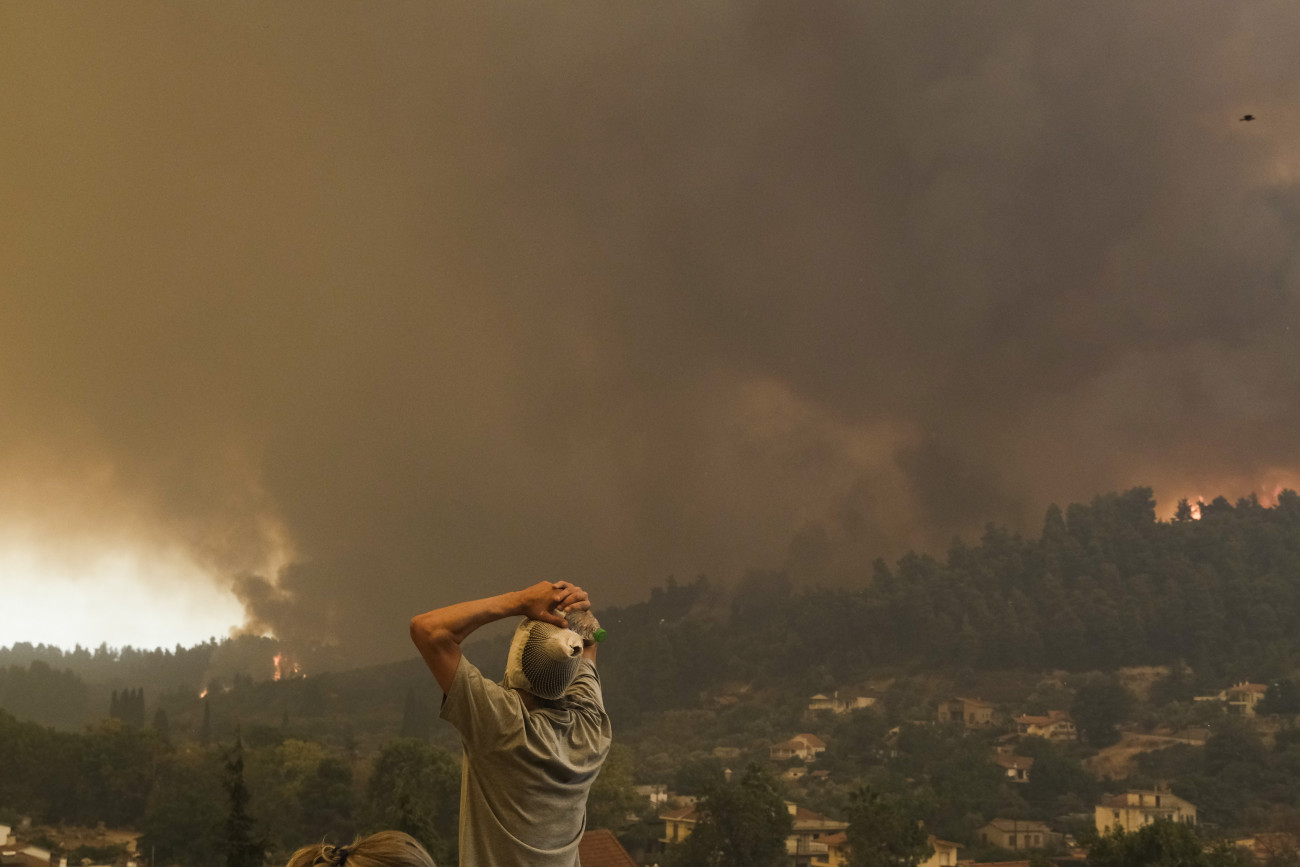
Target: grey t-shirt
526, 774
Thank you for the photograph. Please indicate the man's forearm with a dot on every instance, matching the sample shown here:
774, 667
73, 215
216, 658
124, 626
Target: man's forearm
457, 622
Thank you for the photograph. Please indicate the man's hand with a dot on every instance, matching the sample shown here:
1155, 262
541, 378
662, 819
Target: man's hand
575, 598
538, 602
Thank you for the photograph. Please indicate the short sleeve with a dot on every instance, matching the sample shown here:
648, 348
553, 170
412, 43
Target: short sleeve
584, 692
485, 713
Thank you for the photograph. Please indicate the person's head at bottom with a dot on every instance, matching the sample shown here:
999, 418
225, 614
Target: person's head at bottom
382, 849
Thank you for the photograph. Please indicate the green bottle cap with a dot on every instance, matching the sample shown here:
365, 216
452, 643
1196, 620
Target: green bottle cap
599, 634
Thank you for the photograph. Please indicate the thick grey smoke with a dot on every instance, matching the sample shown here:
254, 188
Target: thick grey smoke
432, 300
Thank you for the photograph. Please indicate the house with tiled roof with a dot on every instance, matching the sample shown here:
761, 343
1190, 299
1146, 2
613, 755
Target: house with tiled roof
841, 703
600, 848
805, 746
837, 850
1055, 725
970, 712
943, 853
1014, 768
1015, 834
678, 823
1136, 808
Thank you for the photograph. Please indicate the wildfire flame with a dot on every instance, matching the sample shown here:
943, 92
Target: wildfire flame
204, 694
285, 668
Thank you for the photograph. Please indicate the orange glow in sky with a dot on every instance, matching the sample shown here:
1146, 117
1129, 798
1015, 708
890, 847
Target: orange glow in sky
116, 597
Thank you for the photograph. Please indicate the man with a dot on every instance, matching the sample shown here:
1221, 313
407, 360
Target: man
533, 744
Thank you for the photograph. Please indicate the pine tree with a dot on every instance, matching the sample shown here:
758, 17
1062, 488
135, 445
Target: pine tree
242, 846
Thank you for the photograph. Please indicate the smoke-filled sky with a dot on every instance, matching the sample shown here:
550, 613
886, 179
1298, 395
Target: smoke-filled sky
320, 314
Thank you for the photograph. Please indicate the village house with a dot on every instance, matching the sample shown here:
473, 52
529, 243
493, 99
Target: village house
970, 712
804, 746
1015, 768
1242, 698
1239, 699
837, 851
806, 846
841, 703
821, 702
943, 853
1136, 808
1015, 834
1055, 725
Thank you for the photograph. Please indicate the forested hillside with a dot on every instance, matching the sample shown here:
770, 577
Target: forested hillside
1104, 585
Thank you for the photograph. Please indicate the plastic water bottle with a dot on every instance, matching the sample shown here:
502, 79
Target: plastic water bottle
583, 622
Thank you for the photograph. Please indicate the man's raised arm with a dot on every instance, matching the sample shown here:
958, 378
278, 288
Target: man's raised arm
438, 633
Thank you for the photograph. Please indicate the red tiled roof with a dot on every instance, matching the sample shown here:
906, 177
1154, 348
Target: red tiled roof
1019, 825
1052, 716
600, 848
1017, 762
805, 818
681, 813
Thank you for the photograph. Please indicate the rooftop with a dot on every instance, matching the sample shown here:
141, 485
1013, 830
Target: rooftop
600, 848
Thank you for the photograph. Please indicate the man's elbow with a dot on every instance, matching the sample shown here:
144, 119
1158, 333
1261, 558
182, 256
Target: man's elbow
429, 635
423, 633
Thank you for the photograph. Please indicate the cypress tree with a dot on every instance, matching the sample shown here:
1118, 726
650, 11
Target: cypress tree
242, 846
